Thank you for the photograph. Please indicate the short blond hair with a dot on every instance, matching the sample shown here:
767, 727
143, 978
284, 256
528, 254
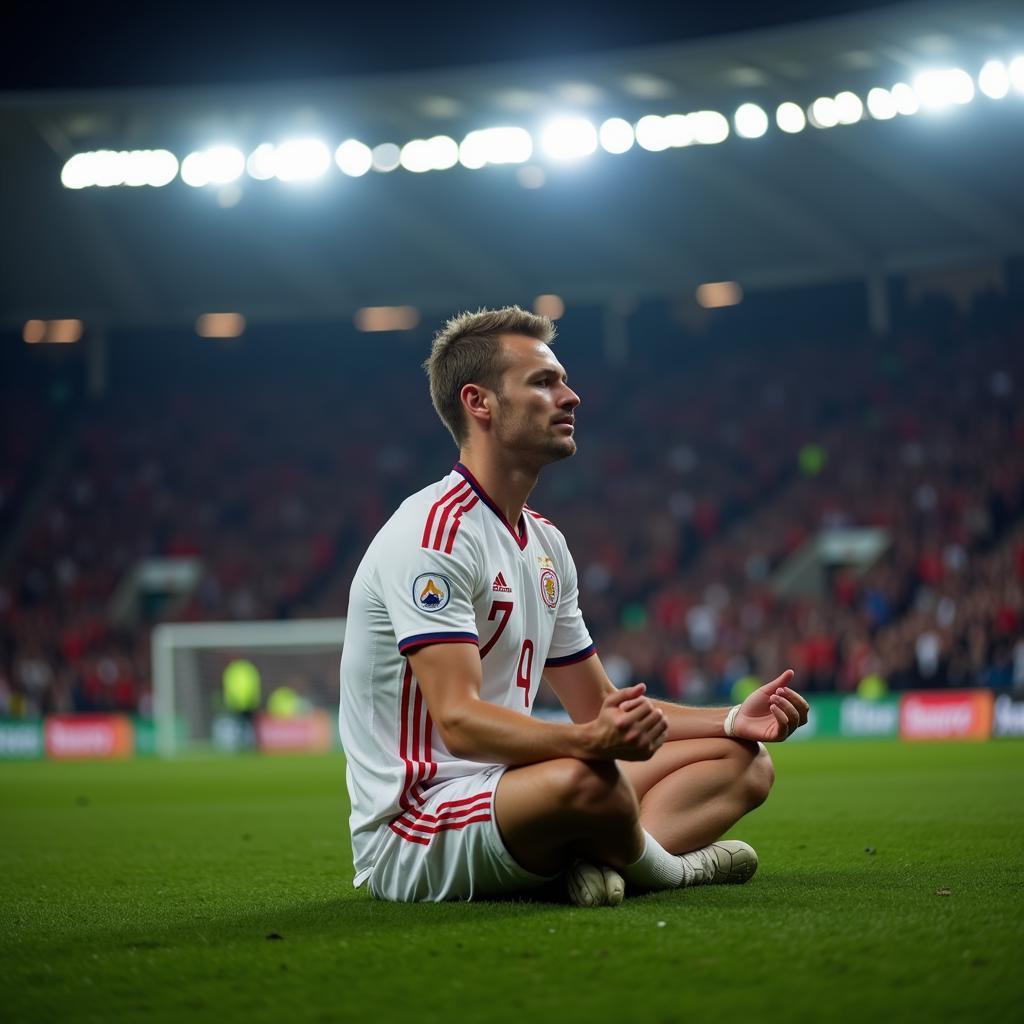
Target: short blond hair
467, 350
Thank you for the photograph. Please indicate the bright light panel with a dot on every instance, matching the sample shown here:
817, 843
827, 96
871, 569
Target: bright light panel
994, 80
354, 158
495, 146
943, 88
709, 127
881, 105
219, 165
652, 133
905, 99
386, 157
568, 138
106, 168
1016, 70
750, 121
436, 154
678, 130
300, 160
849, 108
823, 113
260, 164
616, 135
790, 118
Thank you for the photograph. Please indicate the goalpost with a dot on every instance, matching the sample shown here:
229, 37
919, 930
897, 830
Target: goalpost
188, 661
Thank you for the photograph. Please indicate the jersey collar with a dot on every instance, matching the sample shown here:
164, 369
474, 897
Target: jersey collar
519, 536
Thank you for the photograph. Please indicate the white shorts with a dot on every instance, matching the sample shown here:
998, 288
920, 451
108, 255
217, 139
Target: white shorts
450, 849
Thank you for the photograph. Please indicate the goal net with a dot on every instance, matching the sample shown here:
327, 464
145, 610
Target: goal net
242, 685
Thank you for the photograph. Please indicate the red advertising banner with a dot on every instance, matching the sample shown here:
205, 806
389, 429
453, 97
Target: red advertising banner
68, 737
310, 732
946, 715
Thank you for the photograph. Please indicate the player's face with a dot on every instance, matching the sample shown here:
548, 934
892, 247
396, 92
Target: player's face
536, 406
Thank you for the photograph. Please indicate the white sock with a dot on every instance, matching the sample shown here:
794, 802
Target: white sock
656, 868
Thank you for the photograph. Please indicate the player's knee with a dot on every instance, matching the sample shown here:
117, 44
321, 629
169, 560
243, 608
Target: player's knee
594, 789
759, 777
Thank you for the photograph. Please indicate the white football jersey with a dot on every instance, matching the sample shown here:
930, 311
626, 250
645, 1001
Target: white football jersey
447, 567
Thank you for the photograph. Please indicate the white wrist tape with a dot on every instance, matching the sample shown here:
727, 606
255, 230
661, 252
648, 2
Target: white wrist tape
730, 720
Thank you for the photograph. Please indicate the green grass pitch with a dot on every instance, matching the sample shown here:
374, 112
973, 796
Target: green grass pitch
154, 891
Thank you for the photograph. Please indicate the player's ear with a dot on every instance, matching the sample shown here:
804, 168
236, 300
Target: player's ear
477, 402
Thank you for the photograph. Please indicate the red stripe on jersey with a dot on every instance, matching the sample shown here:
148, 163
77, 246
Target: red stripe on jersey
482, 801
443, 827
463, 494
433, 511
455, 523
465, 800
537, 515
403, 737
409, 821
428, 744
405, 835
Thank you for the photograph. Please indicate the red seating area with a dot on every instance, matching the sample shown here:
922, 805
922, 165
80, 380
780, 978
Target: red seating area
695, 479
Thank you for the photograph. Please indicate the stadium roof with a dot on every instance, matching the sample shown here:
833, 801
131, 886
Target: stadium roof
777, 210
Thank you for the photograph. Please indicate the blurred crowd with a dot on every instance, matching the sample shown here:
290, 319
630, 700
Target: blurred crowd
701, 470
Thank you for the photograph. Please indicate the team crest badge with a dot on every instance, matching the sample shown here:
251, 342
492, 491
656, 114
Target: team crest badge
431, 592
549, 587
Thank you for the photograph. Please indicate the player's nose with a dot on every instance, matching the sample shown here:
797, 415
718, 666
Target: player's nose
569, 399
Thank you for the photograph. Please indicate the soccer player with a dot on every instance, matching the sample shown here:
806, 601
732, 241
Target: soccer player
463, 601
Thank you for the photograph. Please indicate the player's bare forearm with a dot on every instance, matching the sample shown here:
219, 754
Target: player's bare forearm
686, 723
625, 725
478, 731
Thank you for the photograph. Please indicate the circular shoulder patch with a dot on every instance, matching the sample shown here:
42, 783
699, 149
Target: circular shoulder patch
549, 587
431, 591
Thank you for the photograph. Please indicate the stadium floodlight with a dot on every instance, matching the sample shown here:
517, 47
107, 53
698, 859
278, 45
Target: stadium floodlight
616, 135
652, 133
849, 107
942, 88
298, 160
823, 113
444, 152
790, 118
678, 130
260, 164
905, 99
354, 158
1016, 71
709, 127
106, 168
568, 138
994, 80
386, 157
881, 105
76, 172
415, 156
750, 121
495, 146
219, 165
110, 168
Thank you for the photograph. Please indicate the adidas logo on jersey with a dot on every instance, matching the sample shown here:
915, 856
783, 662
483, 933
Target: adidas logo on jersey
500, 585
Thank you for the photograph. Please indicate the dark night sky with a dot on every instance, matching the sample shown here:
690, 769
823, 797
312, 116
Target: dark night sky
96, 45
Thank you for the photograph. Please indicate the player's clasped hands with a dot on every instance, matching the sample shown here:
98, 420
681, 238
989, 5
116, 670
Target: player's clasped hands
772, 712
629, 727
